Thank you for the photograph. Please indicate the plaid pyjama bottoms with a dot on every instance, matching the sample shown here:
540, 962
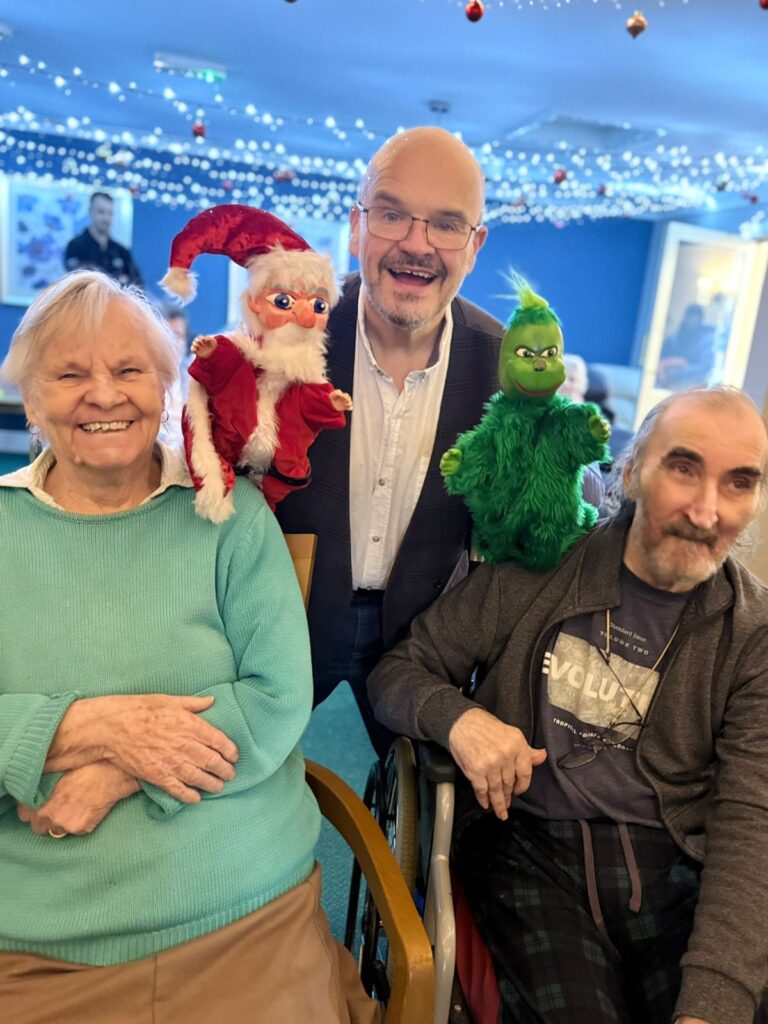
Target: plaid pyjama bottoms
564, 955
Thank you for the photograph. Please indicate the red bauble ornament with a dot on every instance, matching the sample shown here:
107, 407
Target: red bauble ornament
559, 176
474, 10
637, 24
198, 130
750, 197
602, 190
764, 4
133, 189
227, 185
284, 174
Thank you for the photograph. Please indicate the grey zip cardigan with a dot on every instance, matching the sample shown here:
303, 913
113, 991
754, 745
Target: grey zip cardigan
704, 749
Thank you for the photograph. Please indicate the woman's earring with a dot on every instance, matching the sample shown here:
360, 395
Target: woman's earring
33, 429
164, 416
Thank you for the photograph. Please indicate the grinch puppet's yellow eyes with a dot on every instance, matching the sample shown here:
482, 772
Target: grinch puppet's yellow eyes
281, 300
526, 353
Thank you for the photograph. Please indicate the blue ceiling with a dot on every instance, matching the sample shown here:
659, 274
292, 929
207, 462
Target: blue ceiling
540, 88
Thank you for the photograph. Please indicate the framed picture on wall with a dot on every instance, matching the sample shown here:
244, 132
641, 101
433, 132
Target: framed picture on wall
37, 220
323, 236
702, 322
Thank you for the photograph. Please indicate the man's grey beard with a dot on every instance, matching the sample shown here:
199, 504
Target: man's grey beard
402, 321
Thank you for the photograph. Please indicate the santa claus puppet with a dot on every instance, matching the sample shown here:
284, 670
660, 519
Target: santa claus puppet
259, 396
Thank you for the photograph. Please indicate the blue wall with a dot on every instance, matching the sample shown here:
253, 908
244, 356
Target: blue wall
592, 274
153, 231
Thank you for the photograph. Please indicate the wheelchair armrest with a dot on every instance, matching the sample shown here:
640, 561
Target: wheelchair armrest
435, 762
412, 1000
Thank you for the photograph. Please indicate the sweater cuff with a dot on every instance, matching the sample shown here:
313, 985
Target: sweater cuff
713, 997
33, 735
439, 713
158, 803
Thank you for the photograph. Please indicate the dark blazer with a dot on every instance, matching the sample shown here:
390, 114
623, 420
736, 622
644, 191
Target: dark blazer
440, 528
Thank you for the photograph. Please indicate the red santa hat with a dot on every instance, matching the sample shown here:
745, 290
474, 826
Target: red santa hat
240, 232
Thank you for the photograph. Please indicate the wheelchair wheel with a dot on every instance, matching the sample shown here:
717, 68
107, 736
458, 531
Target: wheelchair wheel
399, 813
392, 795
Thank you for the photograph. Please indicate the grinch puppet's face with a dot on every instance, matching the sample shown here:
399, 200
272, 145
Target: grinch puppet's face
531, 361
276, 307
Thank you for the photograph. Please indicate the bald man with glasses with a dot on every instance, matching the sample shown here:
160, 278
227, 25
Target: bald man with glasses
420, 362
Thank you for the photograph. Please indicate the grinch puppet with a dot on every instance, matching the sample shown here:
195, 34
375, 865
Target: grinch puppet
258, 397
521, 468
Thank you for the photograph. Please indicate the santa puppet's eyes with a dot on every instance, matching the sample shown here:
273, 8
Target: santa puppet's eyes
320, 306
281, 300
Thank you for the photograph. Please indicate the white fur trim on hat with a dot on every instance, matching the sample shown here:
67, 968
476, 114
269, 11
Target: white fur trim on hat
305, 271
180, 282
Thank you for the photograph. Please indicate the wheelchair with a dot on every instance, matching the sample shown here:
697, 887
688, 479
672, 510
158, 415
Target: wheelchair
411, 796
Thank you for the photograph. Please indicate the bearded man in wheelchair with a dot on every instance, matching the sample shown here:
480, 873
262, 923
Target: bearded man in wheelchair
611, 824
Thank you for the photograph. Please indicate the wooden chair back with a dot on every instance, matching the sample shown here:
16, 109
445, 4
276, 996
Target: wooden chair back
302, 547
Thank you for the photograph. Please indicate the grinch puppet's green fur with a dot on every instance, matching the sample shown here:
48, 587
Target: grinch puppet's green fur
521, 468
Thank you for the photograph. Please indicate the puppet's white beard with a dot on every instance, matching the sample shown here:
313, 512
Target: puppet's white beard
298, 352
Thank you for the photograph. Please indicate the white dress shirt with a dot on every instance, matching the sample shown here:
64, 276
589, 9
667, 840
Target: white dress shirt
393, 434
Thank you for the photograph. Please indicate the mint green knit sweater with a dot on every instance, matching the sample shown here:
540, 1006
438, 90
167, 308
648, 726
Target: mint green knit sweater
153, 600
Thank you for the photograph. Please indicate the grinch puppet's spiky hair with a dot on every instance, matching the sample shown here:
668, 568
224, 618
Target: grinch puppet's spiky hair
532, 308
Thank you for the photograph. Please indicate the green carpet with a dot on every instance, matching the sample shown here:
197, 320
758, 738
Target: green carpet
336, 738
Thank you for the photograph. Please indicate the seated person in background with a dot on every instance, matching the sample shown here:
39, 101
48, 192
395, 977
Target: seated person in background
178, 323
156, 830
623, 703
599, 392
575, 386
95, 250
688, 355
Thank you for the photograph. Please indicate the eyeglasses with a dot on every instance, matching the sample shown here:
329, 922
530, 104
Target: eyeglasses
395, 226
586, 753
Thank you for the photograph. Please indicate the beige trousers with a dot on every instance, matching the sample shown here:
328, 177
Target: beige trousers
279, 965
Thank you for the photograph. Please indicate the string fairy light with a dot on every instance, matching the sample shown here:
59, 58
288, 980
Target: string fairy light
181, 168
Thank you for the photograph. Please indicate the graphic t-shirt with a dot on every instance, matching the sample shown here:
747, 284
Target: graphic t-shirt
586, 700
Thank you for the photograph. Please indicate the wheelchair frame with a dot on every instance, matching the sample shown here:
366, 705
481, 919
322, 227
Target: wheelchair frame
412, 798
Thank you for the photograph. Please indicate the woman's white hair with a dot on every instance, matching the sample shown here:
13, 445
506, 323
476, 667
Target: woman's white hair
76, 302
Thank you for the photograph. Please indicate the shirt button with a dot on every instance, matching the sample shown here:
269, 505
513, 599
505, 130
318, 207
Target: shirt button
375, 539
382, 481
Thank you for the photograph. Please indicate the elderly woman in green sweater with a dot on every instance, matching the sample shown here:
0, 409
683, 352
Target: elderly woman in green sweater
156, 831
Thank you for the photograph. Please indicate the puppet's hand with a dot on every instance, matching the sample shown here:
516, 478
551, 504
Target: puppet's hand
340, 400
599, 428
450, 462
204, 346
